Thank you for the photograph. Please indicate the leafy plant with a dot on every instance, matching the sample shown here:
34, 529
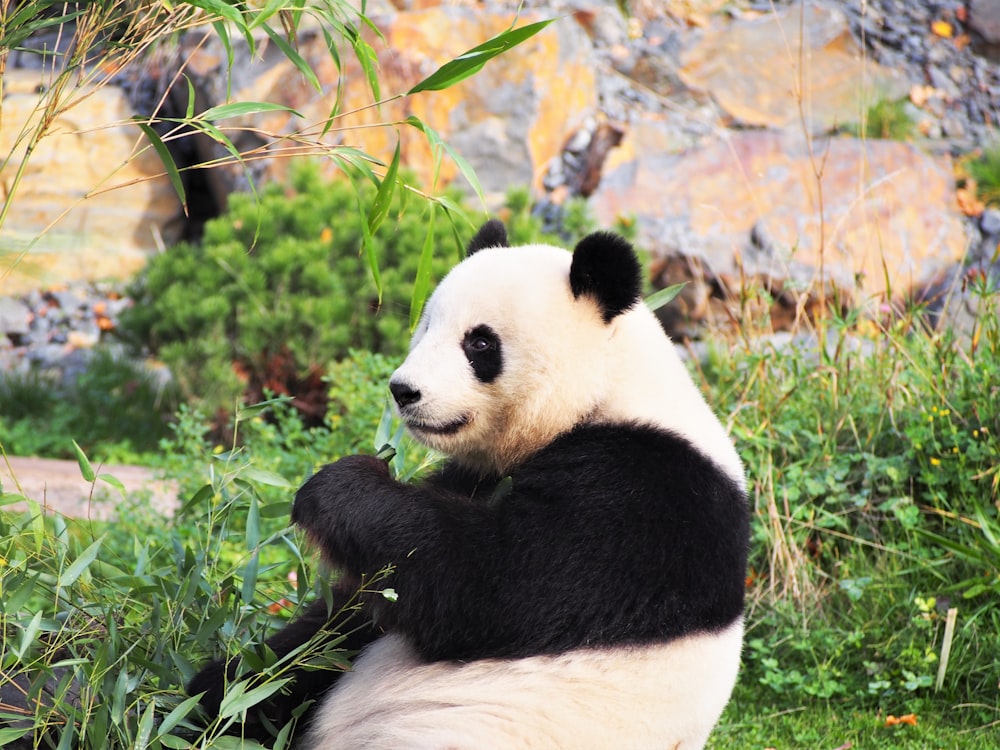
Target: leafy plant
985, 170
277, 289
115, 406
886, 119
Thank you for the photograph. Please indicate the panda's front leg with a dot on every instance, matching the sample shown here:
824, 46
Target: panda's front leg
349, 508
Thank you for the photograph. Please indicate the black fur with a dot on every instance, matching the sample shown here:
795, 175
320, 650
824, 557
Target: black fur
491, 234
605, 268
610, 535
484, 351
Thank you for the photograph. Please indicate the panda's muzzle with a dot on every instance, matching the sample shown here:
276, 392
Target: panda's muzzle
407, 397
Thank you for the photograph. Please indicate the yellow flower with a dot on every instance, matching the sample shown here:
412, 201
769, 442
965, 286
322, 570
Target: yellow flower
935, 461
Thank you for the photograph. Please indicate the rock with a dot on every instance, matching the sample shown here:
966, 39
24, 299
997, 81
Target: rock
888, 210
14, 318
837, 82
508, 121
81, 227
984, 20
989, 222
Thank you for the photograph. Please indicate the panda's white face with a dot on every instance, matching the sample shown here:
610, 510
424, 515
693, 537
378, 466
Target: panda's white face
504, 358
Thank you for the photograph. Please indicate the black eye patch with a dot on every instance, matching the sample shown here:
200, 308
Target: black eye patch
482, 348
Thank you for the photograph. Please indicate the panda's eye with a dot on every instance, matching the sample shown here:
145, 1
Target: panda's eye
481, 346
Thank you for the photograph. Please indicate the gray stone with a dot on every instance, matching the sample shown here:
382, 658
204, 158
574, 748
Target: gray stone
984, 19
989, 222
14, 317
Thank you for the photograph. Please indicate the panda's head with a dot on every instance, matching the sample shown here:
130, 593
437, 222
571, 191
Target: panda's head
515, 347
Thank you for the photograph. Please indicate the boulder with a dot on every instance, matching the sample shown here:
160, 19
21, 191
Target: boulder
799, 66
93, 201
877, 217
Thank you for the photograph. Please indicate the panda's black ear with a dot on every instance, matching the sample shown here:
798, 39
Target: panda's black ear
491, 234
605, 268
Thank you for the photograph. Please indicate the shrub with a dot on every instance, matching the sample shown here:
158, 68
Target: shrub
277, 289
986, 172
887, 119
873, 465
116, 406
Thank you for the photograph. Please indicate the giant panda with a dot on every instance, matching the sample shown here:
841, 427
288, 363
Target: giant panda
573, 576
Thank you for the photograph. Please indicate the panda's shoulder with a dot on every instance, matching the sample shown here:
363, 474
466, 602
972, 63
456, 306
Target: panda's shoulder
624, 454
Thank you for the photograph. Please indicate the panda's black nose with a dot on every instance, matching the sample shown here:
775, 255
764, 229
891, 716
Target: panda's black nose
404, 393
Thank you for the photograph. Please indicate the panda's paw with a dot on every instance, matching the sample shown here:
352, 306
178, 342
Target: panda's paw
337, 489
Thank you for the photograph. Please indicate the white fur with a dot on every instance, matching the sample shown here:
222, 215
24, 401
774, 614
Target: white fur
662, 698
562, 364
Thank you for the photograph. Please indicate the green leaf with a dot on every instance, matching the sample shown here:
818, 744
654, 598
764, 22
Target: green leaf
113, 481
174, 717
658, 299
145, 730
422, 282
241, 109
28, 635
296, 59
220, 8
250, 570
8, 735
472, 61
439, 144
86, 470
383, 198
168, 161
81, 563
239, 699
252, 534
263, 476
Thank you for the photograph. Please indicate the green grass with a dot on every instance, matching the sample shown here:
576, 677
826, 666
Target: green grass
746, 725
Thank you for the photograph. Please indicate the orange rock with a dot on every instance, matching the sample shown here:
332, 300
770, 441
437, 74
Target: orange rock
832, 77
885, 213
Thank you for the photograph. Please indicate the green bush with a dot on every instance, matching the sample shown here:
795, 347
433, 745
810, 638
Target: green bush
886, 119
876, 485
985, 170
115, 408
278, 288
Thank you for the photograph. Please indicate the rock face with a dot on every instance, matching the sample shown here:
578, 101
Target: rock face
760, 205
65, 203
510, 119
802, 55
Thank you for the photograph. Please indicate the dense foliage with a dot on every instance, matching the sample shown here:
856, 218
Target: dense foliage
278, 288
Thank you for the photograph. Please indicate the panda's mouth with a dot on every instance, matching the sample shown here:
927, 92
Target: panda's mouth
448, 428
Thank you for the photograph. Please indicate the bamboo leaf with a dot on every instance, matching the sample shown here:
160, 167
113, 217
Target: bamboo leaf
472, 61
295, 58
239, 699
263, 476
658, 299
221, 9
86, 470
383, 198
422, 282
168, 161
174, 717
438, 143
241, 109
81, 563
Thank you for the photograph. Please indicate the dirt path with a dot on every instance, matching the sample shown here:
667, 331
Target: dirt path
60, 488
